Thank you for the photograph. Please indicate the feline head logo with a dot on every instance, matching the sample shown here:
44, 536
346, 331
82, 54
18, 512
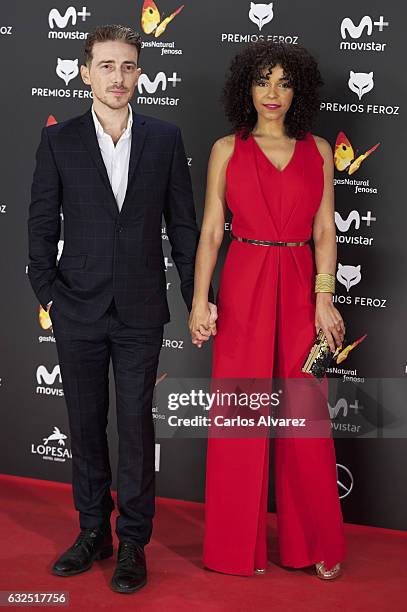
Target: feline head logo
360, 82
261, 14
67, 69
348, 275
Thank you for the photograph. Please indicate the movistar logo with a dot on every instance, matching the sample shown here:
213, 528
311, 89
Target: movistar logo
55, 17
43, 376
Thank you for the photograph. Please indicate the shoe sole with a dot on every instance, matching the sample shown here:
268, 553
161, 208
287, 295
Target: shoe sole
117, 589
105, 553
335, 577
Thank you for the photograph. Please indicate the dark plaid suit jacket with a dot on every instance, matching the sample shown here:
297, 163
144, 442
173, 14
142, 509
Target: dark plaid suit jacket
108, 253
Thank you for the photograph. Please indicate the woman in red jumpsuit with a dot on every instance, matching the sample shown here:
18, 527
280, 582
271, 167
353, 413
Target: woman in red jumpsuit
277, 180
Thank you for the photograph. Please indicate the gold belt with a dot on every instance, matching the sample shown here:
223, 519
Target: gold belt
266, 242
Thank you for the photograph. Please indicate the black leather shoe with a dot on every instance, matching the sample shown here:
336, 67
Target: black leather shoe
91, 544
131, 572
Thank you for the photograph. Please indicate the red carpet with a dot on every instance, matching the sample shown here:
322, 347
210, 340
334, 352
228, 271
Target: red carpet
38, 522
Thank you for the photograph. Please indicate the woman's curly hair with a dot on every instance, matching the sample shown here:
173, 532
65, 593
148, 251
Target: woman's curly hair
303, 75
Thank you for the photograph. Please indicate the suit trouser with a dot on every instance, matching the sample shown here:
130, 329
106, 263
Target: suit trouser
84, 352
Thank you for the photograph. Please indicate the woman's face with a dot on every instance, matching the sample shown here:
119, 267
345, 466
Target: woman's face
272, 94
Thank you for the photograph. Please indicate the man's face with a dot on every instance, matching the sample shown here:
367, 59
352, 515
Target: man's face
113, 73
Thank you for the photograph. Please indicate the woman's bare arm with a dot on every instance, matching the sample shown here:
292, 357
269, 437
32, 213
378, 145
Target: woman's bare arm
213, 223
324, 233
327, 316
211, 236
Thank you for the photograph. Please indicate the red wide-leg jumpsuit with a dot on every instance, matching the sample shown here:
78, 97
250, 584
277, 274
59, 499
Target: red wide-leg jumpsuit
266, 309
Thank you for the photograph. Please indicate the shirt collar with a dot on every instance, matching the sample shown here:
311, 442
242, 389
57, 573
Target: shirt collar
100, 131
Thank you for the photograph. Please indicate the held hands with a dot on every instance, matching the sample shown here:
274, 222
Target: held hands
329, 320
202, 323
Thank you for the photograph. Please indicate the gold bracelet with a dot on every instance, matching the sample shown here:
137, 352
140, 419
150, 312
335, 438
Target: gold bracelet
324, 283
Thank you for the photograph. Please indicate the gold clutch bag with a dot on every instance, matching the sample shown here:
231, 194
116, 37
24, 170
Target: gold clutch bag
320, 356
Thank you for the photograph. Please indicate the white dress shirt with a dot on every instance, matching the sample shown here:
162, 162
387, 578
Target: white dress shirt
116, 158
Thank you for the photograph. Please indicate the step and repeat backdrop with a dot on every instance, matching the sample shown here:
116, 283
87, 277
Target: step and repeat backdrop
186, 52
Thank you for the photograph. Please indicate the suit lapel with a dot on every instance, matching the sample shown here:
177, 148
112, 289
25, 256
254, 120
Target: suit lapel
138, 136
87, 133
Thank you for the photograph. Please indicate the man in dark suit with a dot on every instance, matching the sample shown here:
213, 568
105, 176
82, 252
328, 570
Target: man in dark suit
114, 173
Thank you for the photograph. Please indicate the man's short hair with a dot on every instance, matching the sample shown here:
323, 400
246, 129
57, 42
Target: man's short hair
111, 32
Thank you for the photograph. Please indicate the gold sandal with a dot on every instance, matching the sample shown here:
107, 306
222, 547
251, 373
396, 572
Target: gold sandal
330, 574
260, 571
